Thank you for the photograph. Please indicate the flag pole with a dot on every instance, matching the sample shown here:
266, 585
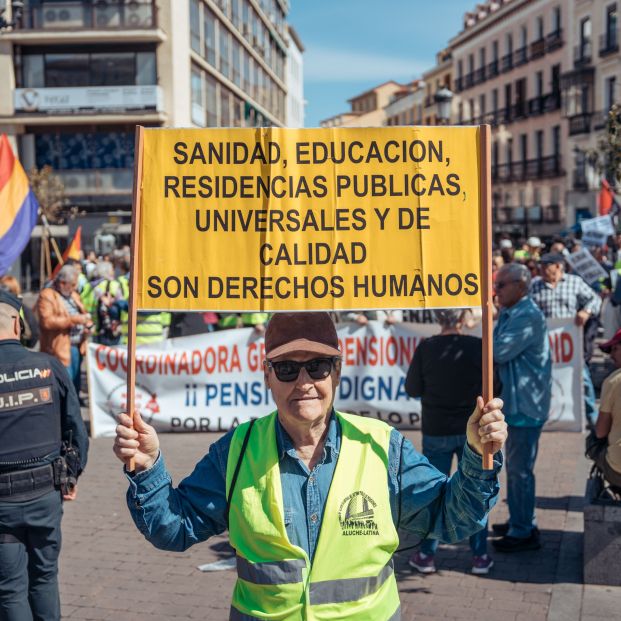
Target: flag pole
133, 280
486, 276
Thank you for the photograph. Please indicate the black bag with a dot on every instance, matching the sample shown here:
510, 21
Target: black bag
594, 446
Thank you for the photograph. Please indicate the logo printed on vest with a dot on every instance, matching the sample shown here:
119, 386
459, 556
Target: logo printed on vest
356, 515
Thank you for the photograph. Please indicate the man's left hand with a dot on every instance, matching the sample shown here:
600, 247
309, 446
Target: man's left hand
72, 495
487, 426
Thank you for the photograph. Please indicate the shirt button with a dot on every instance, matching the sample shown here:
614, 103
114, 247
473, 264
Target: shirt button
311, 480
313, 518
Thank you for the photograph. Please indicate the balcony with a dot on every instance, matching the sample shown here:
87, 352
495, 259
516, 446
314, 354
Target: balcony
536, 105
459, 85
608, 43
506, 63
554, 40
532, 214
520, 110
524, 170
552, 101
521, 56
479, 76
492, 69
110, 15
537, 48
108, 181
469, 80
583, 54
580, 123
88, 98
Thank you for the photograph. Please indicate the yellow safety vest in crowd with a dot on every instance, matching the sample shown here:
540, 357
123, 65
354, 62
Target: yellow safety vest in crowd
123, 280
351, 576
150, 327
252, 319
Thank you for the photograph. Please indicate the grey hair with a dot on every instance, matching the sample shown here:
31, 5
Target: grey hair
104, 269
67, 273
450, 317
517, 272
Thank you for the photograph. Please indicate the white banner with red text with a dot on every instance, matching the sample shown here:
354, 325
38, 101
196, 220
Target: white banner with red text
214, 381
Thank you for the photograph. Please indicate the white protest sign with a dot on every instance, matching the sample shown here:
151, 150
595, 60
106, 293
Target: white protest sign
212, 382
595, 231
585, 265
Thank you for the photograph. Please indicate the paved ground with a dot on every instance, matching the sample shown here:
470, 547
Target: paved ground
109, 572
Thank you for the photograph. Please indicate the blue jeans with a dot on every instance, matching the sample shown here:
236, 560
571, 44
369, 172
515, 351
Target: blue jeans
521, 453
589, 397
75, 368
29, 562
439, 450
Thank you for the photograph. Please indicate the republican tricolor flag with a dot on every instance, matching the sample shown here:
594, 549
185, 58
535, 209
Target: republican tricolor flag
18, 207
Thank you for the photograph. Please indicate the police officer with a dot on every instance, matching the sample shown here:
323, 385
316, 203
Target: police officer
43, 448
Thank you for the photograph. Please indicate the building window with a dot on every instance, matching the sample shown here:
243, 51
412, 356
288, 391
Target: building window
211, 87
235, 14
611, 26
95, 69
495, 100
198, 108
556, 140
540, 28
539, 84
585, 37
609, 94
524, 36
209, 31
539, 143
495, 51
482, 110
195, 26
236, 63
509, 43
523, 147
225, 107
224, 50
556, 19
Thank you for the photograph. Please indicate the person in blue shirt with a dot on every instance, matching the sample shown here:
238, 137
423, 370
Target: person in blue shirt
302, 369
522, 353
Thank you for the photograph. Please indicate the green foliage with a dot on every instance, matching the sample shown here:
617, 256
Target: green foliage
607, 154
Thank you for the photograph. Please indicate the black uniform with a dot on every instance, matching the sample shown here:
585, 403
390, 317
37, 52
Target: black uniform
39, 409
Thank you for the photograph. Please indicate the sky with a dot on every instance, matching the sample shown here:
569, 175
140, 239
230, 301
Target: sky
353, 45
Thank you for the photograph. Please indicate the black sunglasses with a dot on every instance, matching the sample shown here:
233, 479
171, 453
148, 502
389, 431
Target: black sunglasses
502, 285
288, 370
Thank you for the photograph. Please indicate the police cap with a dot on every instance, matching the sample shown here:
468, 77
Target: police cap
6, 297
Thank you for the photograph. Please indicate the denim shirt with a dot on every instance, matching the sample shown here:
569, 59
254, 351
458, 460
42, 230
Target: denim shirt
423, 501
522, 352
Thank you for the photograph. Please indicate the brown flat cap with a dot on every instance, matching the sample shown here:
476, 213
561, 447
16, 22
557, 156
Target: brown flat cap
305, 332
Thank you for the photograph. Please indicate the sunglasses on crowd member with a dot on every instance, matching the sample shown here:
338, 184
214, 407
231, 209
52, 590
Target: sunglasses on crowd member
502, 284
289, 370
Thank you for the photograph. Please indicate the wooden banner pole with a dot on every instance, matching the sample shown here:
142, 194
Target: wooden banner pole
486, 276
133, 279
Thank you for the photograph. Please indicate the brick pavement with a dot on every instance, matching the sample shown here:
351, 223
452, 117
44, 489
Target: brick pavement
108, 571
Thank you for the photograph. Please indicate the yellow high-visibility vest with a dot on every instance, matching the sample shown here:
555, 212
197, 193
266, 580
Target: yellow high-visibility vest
351, 576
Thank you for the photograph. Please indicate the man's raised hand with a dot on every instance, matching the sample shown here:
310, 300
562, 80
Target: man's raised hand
138, 442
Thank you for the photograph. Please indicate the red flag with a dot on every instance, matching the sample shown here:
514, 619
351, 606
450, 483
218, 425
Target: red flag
72, 251
606, 198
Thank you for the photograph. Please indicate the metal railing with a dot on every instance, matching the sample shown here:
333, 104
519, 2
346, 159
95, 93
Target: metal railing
583, 54
537, 48
580, 123
608, 43
506, 63
521, 56
74, 15
492, 69
554, 40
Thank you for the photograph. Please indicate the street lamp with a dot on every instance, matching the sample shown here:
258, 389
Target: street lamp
443, 99
17, 8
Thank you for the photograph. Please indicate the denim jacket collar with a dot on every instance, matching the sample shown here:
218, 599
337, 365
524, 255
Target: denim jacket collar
284, 442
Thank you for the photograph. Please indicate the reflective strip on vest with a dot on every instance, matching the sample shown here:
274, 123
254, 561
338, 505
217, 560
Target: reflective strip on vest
236, 615
348, 589
273, 572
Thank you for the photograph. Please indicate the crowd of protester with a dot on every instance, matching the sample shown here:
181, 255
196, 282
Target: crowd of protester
88, 300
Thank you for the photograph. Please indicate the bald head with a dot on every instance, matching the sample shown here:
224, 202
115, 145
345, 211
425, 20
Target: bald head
9, 326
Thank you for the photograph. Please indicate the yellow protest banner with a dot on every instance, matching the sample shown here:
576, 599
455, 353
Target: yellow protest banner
309, 219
